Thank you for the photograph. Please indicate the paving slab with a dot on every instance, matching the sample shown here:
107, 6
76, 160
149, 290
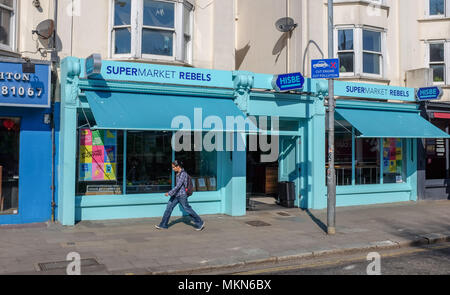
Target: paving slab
134, 246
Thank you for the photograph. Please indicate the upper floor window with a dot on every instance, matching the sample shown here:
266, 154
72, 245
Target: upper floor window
437, 61
346, 52
437, 7
7, 24
372, 55
360, 51
152, 29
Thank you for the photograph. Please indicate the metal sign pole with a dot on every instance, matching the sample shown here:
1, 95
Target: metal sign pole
331, 200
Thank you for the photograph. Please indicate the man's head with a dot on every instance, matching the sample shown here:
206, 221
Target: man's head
177, 166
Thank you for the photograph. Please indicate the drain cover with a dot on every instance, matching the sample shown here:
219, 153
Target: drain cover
46, 266
283, 214
257, 223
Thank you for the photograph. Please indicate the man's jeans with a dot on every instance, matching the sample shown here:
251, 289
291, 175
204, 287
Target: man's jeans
187, 208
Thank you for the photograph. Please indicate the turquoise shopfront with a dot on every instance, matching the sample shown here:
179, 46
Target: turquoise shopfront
118, 128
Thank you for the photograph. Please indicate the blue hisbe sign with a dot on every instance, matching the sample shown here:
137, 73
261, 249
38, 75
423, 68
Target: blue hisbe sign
20, 89
325, 68
287, 82
429, 93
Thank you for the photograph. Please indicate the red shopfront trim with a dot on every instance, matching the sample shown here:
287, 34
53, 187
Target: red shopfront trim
441, 115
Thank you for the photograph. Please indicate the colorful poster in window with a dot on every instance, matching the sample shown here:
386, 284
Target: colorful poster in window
392, 156
98, 155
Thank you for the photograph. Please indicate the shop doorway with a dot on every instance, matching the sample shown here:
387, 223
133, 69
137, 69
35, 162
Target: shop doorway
267, 181
9, 165
437, 164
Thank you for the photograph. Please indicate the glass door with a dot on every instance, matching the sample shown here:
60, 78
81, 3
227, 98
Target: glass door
9, 165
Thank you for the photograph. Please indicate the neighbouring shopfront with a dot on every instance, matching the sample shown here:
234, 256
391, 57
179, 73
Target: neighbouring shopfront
25, 143
434, 163
376, 143
117, 130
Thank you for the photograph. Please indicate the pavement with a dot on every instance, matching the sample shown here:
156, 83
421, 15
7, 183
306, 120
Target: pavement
267, 234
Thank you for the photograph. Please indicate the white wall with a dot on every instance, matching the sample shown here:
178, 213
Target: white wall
240, 34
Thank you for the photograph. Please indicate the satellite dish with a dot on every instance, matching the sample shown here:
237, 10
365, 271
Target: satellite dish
45, 29
285, 24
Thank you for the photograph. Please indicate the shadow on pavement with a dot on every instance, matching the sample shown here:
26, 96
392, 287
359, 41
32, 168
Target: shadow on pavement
185, 219
317, 221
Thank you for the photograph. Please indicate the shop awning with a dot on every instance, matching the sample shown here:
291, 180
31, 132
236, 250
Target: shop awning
390, 124
134, 111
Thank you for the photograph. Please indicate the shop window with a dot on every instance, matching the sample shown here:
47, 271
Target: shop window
286, 125
200, 165
7, 24
100, 162
148, 155
343, 152
394, 168
152, 29
149, 158
367, 160
437, 62
9, 165
358, 160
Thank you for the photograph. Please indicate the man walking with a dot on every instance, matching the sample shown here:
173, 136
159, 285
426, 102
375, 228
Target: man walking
178, 195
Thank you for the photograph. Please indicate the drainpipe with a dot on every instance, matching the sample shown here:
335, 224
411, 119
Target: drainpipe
288, 43
54, 57
53, 160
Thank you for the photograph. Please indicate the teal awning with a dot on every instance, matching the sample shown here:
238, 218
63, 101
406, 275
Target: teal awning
135, 111
390, 124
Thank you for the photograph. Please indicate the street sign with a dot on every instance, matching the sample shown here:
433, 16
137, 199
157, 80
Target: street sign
325, 68
93, 65
288, 82
429, 93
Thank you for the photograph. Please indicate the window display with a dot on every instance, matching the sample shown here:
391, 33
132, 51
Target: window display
201, 184
343, 153
360, 158
393, 164
98, 155
149, 155
201, 165
9, 165
367, 160
211, 182
100, 162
